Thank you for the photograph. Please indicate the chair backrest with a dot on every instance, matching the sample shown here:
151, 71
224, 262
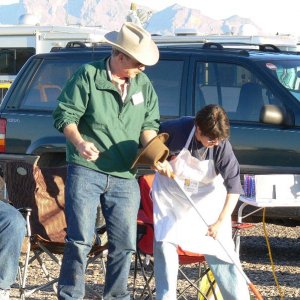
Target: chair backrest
41, 189
145, 183
145, 215
250, 102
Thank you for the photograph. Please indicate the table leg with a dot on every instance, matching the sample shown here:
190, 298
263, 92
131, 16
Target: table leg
238, 234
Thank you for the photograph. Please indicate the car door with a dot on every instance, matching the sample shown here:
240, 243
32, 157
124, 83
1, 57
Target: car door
242, 89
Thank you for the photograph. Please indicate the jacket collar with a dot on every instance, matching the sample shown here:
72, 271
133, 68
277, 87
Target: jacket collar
102, 80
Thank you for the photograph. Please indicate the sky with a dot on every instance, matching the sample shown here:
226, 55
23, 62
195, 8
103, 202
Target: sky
272, 16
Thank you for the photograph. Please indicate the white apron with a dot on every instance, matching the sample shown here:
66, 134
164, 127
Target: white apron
176, 221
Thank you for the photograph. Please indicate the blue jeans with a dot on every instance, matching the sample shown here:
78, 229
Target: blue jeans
12, 232
119, 199
232, 284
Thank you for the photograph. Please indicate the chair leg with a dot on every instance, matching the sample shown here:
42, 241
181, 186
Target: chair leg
203, 271
51, 255
51, 281
26, 212
99, 296
25, 272
134, 275
147, 292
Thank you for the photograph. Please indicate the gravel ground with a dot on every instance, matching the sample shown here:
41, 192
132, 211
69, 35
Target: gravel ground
285, 247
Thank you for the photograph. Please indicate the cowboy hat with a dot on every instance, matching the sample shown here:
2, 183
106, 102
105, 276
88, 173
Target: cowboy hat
154, 151
135, 42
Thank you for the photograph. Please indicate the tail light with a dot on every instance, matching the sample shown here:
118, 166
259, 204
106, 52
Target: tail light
2, 135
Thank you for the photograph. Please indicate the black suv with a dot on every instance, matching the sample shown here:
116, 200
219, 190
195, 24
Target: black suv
259, 89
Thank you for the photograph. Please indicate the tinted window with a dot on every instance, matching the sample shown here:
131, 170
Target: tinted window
287, 73
232, 86
166, 77
2, 93
12, 59
47, 84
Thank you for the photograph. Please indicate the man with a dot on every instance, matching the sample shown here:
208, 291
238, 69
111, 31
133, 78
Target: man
105, 110
12, 232
208, 171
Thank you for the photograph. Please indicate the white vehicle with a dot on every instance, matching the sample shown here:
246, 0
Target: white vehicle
282, 42
19, 42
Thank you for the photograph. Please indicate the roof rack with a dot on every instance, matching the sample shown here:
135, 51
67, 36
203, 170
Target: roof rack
259, 47
238, 47
78, 45
74, 44
212, 45
269, 47
284, 43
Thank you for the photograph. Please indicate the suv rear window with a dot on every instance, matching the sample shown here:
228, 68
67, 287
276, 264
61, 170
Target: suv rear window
46, 85
50, 78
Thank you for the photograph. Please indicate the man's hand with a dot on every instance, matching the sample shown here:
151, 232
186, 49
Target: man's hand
164, 168
88, 150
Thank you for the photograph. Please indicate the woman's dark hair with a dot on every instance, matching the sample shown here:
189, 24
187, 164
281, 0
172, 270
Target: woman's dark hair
213, 122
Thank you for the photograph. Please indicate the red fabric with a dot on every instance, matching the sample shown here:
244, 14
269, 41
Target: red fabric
237, 225
187, 257
145, 214
145, 183
145, 218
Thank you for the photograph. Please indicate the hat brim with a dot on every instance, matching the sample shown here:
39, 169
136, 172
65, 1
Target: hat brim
156, 154
149, 58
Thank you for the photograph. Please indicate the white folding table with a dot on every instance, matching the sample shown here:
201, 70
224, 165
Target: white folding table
257, 205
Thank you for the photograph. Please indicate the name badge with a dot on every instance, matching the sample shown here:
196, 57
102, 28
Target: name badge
191, 186
137, 98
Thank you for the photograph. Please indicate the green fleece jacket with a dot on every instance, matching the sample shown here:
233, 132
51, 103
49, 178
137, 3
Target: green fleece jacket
91, 101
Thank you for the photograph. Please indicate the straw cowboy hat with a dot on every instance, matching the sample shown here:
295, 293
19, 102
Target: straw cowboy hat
154, 151
134, 41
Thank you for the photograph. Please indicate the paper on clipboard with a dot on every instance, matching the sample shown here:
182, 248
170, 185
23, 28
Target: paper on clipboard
278, 186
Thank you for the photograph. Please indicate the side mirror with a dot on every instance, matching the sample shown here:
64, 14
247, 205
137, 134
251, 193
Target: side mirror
274, 114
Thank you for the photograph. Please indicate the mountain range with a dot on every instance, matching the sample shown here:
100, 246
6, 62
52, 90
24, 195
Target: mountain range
110, 14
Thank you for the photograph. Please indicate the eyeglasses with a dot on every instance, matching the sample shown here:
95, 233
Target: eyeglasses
135, 64
209, 140
214, 141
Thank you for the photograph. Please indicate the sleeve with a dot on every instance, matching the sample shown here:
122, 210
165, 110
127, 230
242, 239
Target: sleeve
72, 101
152, 115
178, 130
227, 165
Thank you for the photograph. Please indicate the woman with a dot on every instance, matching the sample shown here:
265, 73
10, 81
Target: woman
208, 171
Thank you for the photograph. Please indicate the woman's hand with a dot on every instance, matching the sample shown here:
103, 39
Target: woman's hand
230, 203
213, 230
164, 168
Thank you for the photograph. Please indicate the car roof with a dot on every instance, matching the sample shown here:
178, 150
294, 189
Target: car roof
246, 51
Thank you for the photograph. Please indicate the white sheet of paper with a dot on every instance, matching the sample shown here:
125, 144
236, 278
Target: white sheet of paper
278, 186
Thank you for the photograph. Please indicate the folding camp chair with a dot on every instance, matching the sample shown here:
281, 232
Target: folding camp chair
192, 267
42, 190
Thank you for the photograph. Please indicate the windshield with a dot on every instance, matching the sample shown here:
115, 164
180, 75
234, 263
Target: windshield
288, 74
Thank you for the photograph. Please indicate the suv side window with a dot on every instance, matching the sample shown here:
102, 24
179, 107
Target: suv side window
232, 86
166, 77
47, 84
